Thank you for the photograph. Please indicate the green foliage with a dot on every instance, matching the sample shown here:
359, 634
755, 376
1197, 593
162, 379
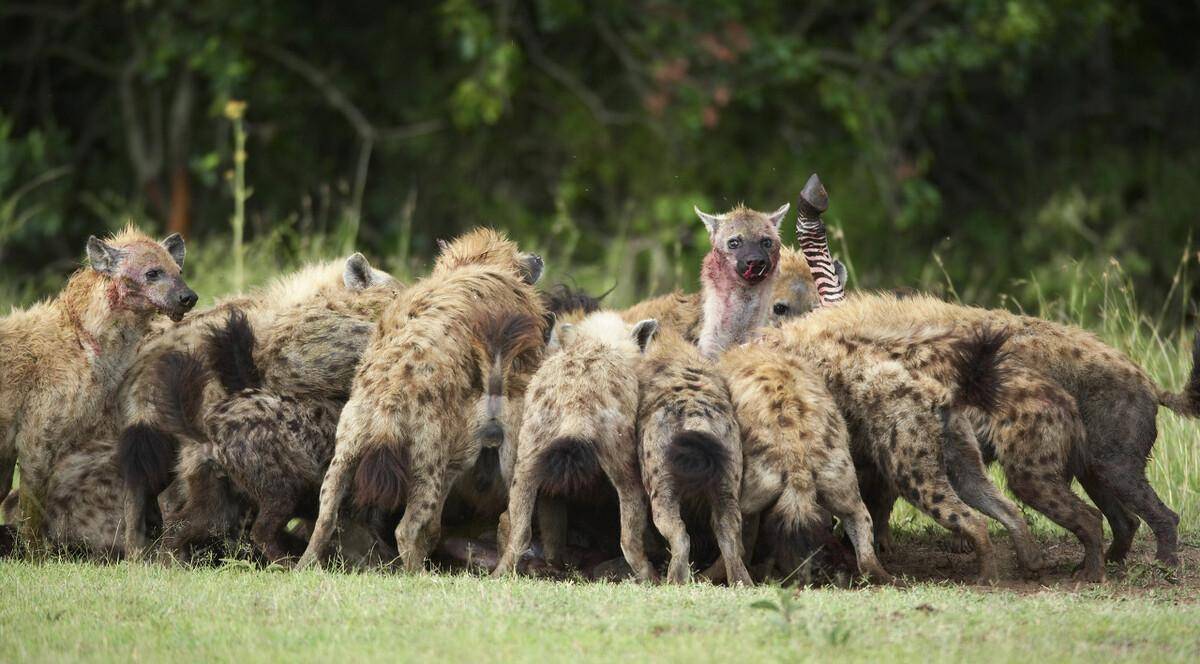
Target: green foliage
1009, 137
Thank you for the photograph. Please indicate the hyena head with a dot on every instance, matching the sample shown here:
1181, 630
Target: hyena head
484, 246
144, 276
607, 328
794, 293
744, 245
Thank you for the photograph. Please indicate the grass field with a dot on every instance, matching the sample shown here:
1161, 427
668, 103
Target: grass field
63, 611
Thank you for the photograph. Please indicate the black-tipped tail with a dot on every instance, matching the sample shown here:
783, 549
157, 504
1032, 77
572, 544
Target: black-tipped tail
381, 480
697, 461
147, 457
978, 370
569, 467
179, 399
230, 350
1187, 402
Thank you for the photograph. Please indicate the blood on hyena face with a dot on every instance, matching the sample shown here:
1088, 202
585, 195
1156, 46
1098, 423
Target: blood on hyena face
146, 275
746, 240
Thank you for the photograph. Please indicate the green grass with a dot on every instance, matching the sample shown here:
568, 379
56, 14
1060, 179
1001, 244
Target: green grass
68, 611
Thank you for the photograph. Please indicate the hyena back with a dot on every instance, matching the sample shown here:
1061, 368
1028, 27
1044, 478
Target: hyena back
578, 429
691, 451
418, 382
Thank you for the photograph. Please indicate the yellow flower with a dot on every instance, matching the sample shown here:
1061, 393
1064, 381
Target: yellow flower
234, 109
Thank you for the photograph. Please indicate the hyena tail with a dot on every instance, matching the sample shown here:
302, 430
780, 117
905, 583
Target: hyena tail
1186, 402
504, 337
568, 467
978, 368
381, 480
697, 461
147, 457
179, 400
800, 534
230, 351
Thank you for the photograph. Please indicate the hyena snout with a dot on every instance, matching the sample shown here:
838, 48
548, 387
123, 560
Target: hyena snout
754, 267
180, 301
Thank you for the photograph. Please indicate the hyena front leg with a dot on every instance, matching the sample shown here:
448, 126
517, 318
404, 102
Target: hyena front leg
421, 523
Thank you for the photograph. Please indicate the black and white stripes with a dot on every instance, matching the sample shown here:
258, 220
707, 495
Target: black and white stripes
814, 243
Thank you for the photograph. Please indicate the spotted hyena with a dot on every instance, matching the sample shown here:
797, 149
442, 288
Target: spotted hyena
418, 383
899, 390
151, 452
578, 429
1066, 380
64, 359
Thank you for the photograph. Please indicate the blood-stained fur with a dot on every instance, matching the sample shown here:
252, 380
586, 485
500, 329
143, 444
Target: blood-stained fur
62, 363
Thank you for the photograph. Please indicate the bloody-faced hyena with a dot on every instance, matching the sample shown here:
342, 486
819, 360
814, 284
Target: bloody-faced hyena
578, 428
735, 273
418, 382
152, 453
64, 359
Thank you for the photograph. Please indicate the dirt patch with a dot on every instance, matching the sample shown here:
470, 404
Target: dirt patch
930, 559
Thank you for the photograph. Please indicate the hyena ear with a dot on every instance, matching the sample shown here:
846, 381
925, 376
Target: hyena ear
358, 274
559, 335
778, 215
531, 268
711, 221
173, 243
442, 244
644, 331
839, 269
103, 257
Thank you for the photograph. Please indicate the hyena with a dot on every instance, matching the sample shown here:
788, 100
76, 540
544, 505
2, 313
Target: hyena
578, 428
1069, 379
690, 450
797, 456
414, 391
64, 359
570, 304
900, 389
733, 302
151, 454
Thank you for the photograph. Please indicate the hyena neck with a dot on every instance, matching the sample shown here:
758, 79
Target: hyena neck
107, 333
731, 308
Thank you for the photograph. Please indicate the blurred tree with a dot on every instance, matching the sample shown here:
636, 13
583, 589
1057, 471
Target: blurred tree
1009, 136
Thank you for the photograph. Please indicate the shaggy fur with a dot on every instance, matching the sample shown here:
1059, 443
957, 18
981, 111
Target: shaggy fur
690, 450
1114, 401
579, 425
894, 386
419, 380
313, 325
63, 362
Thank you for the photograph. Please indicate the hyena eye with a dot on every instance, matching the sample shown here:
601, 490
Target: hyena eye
766, 243
780, 308
735, 242
154, 274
